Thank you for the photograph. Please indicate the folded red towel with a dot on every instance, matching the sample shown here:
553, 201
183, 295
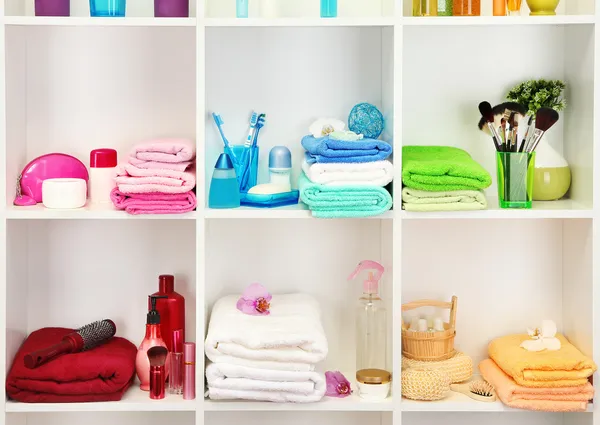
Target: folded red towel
101, 374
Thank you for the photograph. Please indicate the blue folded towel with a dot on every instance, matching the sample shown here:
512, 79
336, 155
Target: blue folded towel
325, 149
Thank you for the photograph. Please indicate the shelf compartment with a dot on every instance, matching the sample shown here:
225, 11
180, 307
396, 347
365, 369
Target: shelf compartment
298, 418
99, 417
301, 22
293, 211
514, 417
498, 20
89, 212
77, 21
565, 9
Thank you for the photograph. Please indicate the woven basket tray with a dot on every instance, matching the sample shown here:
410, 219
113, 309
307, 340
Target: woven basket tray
459, 367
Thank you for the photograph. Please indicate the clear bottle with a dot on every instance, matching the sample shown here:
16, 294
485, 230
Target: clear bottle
425, 7
371, 320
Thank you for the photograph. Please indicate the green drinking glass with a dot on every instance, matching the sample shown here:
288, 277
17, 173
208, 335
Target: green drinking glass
515, 179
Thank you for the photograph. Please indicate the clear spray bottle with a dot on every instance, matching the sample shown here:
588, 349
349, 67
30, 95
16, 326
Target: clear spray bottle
371, 320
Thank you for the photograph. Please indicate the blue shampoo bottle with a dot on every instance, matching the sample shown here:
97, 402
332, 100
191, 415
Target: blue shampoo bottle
224, 189
241, 8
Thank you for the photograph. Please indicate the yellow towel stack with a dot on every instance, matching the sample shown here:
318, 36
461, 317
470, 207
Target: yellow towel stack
543, 380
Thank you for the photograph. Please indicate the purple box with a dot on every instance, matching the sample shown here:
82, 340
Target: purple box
172, 8
52, 8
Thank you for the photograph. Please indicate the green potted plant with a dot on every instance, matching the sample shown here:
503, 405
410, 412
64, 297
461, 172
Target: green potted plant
552, 176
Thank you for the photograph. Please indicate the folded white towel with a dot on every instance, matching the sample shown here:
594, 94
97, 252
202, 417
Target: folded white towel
227, 382
290, 338
376, 173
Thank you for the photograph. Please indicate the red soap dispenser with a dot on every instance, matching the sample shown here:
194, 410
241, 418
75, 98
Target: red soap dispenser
171, 309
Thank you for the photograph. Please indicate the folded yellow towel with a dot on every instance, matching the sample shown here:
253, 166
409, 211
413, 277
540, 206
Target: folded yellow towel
566, 367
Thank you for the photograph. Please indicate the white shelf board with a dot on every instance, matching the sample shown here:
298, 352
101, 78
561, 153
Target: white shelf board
89, 21
564, 208
39, 212
497, 20
456, 402
292, 211
300, 22
352, 403
134, 400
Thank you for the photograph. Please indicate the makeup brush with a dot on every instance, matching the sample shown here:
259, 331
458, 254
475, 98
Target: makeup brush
513, 122
84, 338
515, 107
487, 113
524, 123
157, 357
544, 119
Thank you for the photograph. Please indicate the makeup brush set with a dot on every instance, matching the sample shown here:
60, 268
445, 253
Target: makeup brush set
512, 129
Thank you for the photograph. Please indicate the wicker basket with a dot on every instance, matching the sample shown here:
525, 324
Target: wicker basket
430, 346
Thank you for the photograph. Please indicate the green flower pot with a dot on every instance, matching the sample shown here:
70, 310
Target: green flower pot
542, 7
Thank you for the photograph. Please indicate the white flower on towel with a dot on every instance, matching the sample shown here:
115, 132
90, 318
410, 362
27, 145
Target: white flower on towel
542, 338
323, 126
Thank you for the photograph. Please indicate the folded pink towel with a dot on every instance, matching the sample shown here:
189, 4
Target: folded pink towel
165, 150
154, 203
131, 179
154, 165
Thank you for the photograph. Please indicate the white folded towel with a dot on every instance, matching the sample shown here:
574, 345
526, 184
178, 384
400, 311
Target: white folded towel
228, 382
376, 173
290, 338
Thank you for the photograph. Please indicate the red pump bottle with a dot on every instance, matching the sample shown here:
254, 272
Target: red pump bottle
171, 309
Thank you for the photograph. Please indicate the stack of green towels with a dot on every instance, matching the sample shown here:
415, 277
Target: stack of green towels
442, 178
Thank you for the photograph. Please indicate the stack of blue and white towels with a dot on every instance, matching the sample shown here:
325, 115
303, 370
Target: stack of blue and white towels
344, 174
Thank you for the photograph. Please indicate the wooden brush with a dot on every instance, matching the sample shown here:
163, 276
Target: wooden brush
477, 390
544, 119
487, 113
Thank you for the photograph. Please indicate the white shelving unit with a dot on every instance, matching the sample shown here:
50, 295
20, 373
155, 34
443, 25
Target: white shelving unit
78, 83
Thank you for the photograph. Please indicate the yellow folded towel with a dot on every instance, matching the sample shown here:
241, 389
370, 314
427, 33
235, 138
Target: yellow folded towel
566, 367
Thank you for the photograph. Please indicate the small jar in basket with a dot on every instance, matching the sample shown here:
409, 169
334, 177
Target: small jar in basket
430, 346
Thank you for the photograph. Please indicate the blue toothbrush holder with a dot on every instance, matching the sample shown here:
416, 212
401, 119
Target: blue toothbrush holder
107, 8
328, 8
252, 179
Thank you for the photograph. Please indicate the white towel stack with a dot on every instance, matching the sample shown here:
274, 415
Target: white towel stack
267, 358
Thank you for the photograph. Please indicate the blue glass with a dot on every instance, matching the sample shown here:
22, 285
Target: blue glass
224, 190
248, 172
107, 8
241, 8
328, 8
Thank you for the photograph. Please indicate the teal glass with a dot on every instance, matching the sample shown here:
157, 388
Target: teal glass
107, 8
328, 8
515, 171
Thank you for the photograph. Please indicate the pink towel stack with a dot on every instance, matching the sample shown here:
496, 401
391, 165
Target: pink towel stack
158, 178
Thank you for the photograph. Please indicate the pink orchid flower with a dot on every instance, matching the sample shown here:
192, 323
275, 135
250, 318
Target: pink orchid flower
255, 300
337, 385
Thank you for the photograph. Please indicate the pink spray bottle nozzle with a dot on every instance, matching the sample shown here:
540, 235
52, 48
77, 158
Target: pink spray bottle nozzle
371, 285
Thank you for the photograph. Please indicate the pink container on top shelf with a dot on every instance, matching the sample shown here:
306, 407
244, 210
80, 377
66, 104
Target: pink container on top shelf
52, 8
171, 8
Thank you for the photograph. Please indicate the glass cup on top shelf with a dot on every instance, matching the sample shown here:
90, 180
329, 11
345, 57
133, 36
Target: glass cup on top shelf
515, 171
107, 8
466, 7
514, 7
425, 7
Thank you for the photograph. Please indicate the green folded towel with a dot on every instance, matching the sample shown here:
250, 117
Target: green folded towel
454, 200
343, 201
442, 168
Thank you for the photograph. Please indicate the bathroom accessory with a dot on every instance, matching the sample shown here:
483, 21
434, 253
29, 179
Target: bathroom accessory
64, 193
367, 120
422, 326
154, 203
153, 338
552, 174
102, 374
514, 7
269, 196
171, 309
189, 371
542, 7
442, 168
343, 201
373, 384
466, 8
234, 338
176, 365
171, 8
459, 367
84, 338
49, 166
515, 179
241, 8
450, 200
499, 7
328, 8
157, 357
424, 384
325, 149
103, 163
224, 190
228, 149
426, 7
107, 8
325, 126
478, 390
169, 150
430, 346
52, 7
566, 399
280, 167
543, 338
131, 179
371, 319
228, 381
377, 173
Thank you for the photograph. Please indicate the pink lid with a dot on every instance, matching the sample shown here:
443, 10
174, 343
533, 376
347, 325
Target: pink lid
103, 158
189, 352
178, 340
371, 285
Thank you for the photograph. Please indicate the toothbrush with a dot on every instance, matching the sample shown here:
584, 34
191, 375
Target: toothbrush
260, 123
250, 137
219, 122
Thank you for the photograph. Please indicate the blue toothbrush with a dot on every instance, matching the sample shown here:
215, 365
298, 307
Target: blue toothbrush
250, 137
219, 122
